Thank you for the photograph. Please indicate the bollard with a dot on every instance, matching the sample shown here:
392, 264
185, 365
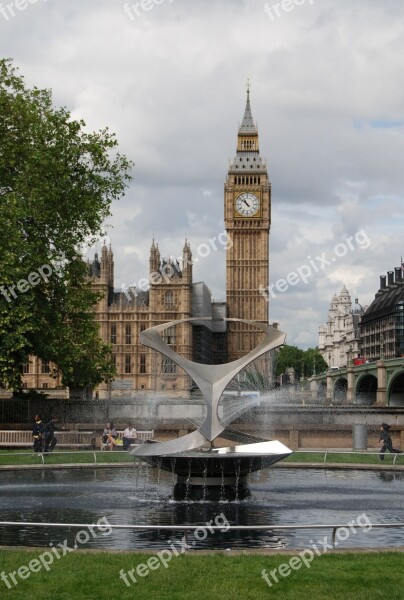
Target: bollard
359, 436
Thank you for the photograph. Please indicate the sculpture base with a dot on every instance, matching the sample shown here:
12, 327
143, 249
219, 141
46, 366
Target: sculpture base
218, 473
211, 489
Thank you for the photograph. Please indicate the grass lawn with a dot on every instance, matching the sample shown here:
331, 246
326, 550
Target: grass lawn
349, 457
27, 457
95, 576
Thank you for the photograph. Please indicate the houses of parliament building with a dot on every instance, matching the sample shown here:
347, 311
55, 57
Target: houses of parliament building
173, 294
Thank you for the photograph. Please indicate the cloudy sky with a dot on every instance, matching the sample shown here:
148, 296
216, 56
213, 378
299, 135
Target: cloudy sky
168, 76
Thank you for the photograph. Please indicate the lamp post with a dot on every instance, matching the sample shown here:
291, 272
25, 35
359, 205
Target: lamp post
109, 398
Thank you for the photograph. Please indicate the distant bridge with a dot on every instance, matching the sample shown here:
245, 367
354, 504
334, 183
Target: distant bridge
379, 383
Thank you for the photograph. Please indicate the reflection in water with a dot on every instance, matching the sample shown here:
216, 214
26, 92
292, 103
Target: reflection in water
143, 496
390, 476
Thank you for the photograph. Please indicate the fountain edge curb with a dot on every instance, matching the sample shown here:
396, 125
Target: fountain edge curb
230, 553
289, 465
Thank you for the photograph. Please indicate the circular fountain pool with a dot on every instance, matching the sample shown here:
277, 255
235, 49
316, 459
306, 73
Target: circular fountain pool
280, 496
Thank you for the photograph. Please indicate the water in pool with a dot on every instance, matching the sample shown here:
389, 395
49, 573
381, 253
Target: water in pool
280, 496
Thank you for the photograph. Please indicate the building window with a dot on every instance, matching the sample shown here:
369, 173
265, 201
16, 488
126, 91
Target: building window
25, 368
168, 365
169, 300
128, 334
24, 385
44, 386
142, 363
128, 366
168, 336
113, 334
114, 361
45, 368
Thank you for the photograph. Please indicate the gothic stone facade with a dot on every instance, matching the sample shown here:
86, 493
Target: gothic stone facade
247, 214
123, 315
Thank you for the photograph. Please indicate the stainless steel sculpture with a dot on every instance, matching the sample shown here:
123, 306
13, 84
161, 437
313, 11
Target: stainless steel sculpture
223, 466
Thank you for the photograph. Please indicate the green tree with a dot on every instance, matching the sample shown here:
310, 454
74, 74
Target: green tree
57, 182
313, 362
302, 361
289, 356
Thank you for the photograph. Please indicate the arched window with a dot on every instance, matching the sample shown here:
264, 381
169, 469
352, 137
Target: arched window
169, 336
169, 300
168, 365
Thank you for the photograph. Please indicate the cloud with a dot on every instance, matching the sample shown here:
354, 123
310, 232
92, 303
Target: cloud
327, 92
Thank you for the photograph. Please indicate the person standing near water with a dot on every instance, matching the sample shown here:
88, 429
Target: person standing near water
50, 439
37, 433
385, 437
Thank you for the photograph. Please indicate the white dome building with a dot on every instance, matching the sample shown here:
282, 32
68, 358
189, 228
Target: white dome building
339, 337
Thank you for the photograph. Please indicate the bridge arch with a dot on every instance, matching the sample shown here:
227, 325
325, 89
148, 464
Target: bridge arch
340, 390
396, 391
366, 390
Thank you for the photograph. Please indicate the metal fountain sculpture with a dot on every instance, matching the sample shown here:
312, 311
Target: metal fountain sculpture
201, 469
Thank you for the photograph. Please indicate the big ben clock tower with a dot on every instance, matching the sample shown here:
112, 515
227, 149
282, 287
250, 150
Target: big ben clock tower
247, 213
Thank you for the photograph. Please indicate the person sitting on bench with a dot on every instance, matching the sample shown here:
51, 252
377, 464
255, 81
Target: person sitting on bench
129, 436
109, 436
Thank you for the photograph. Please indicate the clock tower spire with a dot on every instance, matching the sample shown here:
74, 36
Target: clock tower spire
247, 213
248, 125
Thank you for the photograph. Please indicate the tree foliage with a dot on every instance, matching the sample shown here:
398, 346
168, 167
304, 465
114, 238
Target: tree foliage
304, 362
57, 182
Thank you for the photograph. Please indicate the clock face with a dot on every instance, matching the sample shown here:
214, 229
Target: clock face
247, 205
